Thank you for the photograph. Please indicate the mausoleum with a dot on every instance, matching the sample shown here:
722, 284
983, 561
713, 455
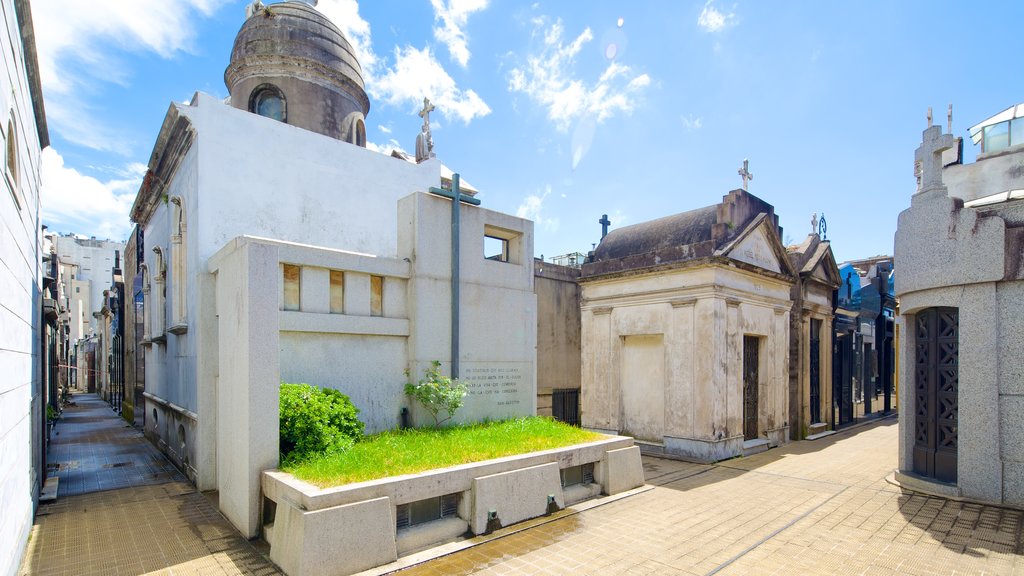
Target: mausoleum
960, 283
275, 246
685, 331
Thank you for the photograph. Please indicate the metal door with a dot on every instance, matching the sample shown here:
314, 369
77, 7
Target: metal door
815, 371
936, 382
750, 377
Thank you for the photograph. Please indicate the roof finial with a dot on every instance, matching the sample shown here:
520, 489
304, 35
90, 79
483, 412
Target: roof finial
929, 116
745, 173
424, 141
949, 118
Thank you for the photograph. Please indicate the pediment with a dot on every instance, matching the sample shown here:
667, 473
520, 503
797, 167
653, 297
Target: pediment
823, 267
756, 248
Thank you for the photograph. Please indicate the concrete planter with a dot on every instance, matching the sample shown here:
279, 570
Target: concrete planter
346, 529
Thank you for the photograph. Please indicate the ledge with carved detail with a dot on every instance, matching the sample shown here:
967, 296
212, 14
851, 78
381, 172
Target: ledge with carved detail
159, 339
178, 329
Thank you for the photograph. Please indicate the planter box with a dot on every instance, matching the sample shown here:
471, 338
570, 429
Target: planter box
345, 529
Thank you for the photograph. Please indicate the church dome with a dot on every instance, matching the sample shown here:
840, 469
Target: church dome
290, 63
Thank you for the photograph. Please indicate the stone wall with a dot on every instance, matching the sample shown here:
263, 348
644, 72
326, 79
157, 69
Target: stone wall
558, 331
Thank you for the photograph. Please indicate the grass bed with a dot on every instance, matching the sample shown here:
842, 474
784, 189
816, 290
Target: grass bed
410, 451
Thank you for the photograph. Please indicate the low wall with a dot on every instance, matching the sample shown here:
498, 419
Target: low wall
350, 528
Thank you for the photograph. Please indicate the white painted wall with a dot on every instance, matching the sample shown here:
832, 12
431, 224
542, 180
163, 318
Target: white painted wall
20, 288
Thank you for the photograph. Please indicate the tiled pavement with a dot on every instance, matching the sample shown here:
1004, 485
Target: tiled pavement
123, 509
92, 450
820, 507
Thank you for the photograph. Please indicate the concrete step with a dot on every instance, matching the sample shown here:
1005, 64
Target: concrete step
756, 446
820, 435
817, 428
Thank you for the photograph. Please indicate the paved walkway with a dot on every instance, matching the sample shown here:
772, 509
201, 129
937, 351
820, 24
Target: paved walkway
123, 509
819, 507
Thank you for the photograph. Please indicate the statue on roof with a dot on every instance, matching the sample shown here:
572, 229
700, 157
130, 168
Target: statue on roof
424, 142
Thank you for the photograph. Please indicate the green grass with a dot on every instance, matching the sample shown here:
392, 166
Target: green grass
409, 451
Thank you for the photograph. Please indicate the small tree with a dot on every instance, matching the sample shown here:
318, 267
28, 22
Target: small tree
316, 421
437, 392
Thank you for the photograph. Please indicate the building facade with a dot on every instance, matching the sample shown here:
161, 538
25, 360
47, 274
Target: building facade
685, 331
22, 351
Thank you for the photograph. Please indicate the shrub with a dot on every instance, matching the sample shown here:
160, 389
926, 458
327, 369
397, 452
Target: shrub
437, 392
316, 421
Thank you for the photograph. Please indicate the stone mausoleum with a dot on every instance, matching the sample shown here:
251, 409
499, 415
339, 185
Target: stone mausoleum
275, 247
685, 331
960, 283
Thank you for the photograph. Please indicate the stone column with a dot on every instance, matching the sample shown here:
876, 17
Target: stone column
248, 401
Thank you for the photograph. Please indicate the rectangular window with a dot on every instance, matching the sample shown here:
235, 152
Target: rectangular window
997, 137
291, 286
1017, 131
495, 249
337, 292
376, 295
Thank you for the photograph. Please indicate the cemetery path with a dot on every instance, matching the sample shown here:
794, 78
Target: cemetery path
123, 508
821, 507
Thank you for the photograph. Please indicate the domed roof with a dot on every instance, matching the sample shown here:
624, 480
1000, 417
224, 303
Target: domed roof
296, 37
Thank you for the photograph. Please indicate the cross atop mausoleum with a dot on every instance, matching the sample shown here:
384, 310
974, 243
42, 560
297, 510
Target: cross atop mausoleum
605, 223
745, 173
929, 156
424, 142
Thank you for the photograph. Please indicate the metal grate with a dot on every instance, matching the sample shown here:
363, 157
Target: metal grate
565, 405
450, 505
426, 510
402, 516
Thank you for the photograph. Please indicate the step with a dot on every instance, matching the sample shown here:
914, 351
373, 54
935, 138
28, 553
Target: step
49, 493
756, 446
817, 428
820, 435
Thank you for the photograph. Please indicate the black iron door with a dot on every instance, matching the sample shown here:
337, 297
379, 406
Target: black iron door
815, 371
565, 405
842, 377
936, 382
750, 387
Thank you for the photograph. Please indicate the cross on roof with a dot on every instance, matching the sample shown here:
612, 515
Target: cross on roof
745, 173
425, 113
605, 223
929, 156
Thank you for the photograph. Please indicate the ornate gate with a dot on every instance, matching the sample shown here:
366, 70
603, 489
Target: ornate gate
750, 378
815, 371
936, 381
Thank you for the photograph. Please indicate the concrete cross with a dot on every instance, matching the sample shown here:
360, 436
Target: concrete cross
929, 156
745, 173
457, 197
605, 223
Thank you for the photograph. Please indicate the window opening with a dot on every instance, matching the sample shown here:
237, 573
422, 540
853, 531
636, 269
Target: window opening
376, 295
291, 286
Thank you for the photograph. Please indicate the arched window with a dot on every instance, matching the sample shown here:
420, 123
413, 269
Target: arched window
147, 303
268, 100
179, 272
158, 291
12, 150
360, 133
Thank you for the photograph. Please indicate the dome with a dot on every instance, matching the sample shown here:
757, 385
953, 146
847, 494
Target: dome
291, 63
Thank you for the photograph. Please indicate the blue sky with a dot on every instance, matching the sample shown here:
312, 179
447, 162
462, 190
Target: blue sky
564, 111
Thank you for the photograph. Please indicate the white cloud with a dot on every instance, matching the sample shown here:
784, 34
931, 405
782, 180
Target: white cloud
78, 43
384, 129
74, 202
417, 74
548, 78
691, 123
531, 208
713, 20
452, 16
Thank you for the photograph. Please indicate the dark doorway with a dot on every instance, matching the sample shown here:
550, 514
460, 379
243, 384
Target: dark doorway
815, 371
750, 377
936, 383
842, 377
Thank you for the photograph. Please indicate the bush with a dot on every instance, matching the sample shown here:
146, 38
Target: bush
437, 392
316, 421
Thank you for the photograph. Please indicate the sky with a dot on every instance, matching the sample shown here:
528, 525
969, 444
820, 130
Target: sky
563, 111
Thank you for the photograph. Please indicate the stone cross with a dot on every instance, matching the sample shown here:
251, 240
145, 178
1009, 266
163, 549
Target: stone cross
929, 156
814, 223
424, 142
745, 173
605, 223
457, 197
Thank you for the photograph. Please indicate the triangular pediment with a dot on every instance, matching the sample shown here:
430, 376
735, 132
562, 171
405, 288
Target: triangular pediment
757, 247
823, 267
